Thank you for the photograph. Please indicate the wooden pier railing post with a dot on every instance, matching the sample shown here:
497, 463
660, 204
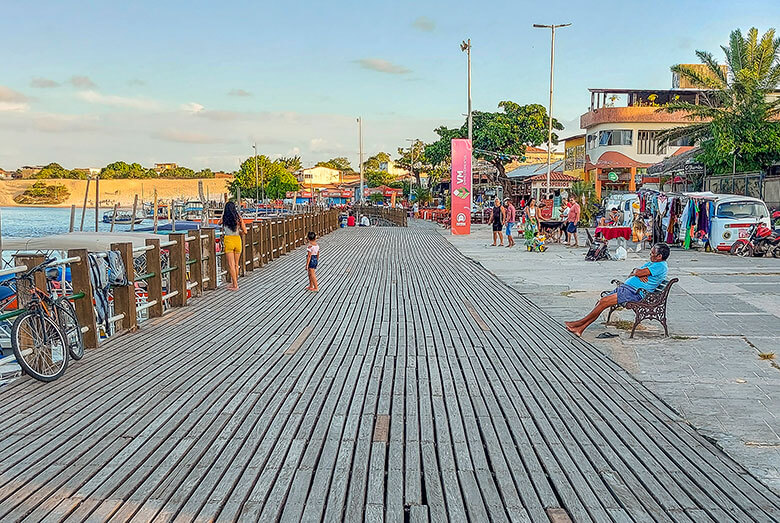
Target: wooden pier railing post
124, 295
286, 236
241, 257
177, 255
154, 283
249, 249
80, 282
39, 278
196, 255
261, 243
211, 254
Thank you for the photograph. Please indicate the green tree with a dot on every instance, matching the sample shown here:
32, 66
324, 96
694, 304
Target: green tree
204, 173
375, 162
247, 181
125, 170
498, 136
291, 163
340, 163
736, 123
280, 184
55, 170
375, 178
413, 158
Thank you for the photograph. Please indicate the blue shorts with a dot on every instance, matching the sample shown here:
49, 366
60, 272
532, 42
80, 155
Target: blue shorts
509, 226
571, 227
313, 262
626, 294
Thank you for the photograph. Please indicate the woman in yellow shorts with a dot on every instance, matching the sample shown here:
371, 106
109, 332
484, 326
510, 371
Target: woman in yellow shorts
232, 225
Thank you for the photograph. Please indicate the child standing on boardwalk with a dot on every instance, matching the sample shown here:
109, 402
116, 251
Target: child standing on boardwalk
312, 259
232, 227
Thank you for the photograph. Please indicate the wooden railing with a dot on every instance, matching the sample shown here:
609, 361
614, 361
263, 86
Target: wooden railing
177, 268
391, 215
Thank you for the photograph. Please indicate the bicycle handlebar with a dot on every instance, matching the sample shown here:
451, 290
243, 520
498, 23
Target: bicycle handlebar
37, 268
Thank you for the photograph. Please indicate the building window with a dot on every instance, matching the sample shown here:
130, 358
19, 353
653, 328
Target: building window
592, 141
648, 143
616, 137
681, 142
579, 157
569, 163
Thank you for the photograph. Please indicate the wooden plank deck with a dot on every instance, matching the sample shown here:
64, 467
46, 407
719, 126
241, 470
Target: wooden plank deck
402, 391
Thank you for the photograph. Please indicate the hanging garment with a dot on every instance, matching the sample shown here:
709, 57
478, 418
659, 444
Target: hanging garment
117, 275
684, 221
98, 276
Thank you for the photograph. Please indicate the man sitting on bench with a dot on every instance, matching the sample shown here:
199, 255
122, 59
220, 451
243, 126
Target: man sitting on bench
643, 280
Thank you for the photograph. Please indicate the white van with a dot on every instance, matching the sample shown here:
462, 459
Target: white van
733, 217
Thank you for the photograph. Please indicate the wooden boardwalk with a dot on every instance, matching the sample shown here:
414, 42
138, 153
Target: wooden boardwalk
415, 386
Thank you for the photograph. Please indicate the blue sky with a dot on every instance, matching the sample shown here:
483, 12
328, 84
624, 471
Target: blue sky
86, 83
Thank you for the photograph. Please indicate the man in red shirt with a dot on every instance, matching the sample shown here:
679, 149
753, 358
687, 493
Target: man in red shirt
509, 220
573, 219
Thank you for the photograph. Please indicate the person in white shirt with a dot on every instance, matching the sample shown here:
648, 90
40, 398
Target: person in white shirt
364, 221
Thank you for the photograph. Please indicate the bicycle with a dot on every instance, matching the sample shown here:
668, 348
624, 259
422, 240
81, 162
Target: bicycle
46, 333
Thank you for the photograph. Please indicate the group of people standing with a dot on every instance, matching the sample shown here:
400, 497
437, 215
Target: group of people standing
504, 216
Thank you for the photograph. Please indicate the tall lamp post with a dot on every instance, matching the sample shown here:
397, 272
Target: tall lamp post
411, 157
466, 47
552, 28
257, 179
360, 157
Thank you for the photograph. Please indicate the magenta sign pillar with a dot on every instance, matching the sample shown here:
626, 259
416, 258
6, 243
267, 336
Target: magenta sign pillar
460, 187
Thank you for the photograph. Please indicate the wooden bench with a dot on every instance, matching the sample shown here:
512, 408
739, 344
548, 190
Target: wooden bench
651, 307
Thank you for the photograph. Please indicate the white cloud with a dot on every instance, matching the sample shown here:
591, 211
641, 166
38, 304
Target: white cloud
82, 82
179, 136
64, 123
382, 66
43, 83
192, 107
423, 23
239, 92
12, 101
110, 100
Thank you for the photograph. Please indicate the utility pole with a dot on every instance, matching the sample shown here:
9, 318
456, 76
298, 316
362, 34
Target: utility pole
257, 180
360, 158
411, 158
466, 46
550, 115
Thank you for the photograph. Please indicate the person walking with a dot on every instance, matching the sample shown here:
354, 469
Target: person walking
532, 214
511, 216
232, 227
497, 219
312, 260
572, 219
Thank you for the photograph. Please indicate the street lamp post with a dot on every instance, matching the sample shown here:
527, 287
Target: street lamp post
550, 115
257, 179
360, 157
466, 46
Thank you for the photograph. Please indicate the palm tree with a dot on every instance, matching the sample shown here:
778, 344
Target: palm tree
735, 121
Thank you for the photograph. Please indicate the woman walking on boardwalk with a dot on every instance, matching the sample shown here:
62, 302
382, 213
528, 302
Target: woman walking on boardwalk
312, 260
232, 227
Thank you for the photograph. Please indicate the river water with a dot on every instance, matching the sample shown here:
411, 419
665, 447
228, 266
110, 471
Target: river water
26, 222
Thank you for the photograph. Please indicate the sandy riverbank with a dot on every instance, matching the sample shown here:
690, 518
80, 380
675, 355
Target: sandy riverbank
119, 191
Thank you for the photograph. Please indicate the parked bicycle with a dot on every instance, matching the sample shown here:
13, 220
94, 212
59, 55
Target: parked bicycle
46, 332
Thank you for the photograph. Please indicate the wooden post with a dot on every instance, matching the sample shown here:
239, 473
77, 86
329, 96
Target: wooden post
260, 239
178, 278
97, 201
84, 207
135, 209
22, 289
85, 312
154, 284
211, 252
124, 295
72, 217
196, 269
154, 212
268, 247
113, 218
249, 248
241, 257
277, 242
257, 260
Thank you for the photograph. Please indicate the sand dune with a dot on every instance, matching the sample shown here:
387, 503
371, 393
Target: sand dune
119, 191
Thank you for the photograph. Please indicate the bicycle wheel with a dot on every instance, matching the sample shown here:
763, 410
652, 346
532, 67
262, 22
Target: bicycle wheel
39, 346
69, 323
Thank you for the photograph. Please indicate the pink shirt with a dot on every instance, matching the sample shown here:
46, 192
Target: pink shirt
314, 250
511, 215
574, 213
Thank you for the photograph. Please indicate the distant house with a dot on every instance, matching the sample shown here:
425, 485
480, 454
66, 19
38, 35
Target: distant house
160, 167
320, 176
28, 171
222, 174
5, 175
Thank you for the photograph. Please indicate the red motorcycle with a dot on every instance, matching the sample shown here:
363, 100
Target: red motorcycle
761, 240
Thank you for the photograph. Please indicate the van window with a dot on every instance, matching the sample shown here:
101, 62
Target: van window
741, 210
